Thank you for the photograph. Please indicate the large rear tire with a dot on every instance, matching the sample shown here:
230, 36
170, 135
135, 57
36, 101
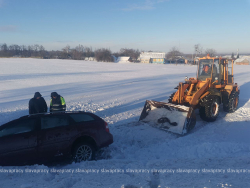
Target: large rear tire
210, 109
230, 105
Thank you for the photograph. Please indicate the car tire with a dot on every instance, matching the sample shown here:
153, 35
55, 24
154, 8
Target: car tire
210, 110
83, 151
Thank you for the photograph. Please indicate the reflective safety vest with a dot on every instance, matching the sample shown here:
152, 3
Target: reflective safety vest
59, 106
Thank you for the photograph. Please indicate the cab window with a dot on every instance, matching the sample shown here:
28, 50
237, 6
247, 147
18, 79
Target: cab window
216, 71
230, 71
205, 68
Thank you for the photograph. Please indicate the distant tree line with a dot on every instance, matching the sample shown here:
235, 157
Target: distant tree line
22, 51
80, 52
176, 56
134, 54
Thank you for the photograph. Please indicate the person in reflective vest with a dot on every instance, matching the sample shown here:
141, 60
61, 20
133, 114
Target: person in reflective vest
57, 102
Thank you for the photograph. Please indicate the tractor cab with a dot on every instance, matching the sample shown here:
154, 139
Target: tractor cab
209, 68
220, 70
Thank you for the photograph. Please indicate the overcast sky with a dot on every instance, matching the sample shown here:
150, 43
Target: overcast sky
157, 25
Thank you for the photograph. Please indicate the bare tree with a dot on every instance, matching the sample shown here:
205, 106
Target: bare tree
4, 47
104, 55
4, 50
66, 49
134, 54
174, 54
24, 51
77, 52
14, 50
198, 49
211, 52
36, 47
89, 52
65, 52
41, 51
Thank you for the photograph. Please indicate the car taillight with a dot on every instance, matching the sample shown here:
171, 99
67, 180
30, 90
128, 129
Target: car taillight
106, 127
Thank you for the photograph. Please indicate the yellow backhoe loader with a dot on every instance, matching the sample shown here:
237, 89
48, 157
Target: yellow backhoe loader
214, 85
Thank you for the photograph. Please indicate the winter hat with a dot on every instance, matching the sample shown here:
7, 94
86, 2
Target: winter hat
37, 94
54, 94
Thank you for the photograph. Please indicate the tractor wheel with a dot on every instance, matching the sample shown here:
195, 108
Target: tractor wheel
191, 122
231, 104
171, 97
210, 110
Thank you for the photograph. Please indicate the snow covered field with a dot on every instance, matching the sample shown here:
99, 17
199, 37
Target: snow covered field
212, 155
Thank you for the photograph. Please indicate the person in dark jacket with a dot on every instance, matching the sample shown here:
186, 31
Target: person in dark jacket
57, 102
37, 104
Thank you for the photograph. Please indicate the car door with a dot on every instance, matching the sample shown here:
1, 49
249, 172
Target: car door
53, 137
18, 142
87, 125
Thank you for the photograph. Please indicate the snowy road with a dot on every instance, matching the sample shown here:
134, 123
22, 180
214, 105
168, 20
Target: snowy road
213, 155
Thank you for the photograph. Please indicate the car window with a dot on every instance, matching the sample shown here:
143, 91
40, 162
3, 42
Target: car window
22, 126
81, 117
54, 121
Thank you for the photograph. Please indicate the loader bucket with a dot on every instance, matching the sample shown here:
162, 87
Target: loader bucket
174, 118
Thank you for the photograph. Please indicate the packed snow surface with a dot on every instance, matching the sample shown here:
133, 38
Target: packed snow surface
213, 155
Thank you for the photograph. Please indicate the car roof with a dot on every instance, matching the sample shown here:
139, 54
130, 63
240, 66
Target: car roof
56, 113
50, 113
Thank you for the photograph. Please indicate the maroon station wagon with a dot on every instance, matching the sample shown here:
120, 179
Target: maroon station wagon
41, 138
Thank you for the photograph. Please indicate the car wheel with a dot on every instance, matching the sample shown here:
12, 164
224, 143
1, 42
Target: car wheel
83, 152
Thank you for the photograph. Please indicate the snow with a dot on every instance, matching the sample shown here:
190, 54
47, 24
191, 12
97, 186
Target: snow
242, 58
212, 155
123, 59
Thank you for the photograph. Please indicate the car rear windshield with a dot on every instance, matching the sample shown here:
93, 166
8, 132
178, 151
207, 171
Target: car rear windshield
81, 117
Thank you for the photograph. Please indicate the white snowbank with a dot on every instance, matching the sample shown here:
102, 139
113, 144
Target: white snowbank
242, 58
123, 59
